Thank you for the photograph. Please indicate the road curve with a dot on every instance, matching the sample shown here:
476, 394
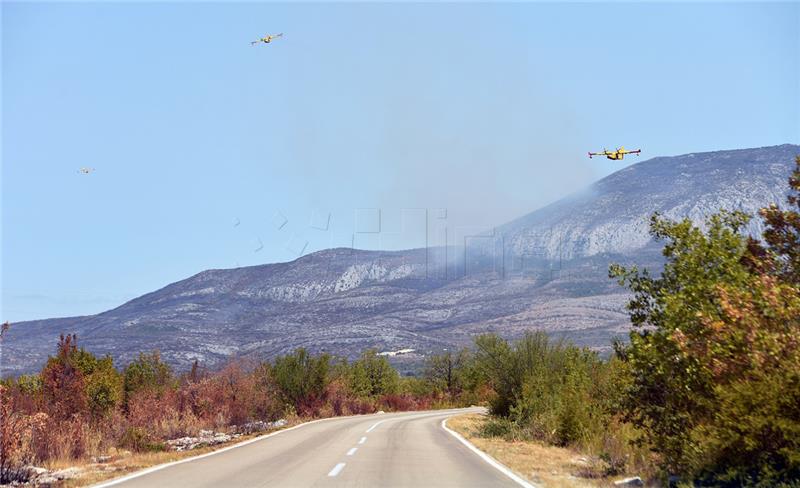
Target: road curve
408, 449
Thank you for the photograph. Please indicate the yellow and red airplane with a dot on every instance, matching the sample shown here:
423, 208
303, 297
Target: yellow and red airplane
267, 39
619, 153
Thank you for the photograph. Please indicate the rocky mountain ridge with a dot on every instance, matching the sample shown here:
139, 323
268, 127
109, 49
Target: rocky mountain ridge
546, 270
612, 215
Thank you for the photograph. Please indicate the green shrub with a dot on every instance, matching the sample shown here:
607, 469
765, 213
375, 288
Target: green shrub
372, 375
103, 388
497, 427
138, 440
302, 379
148, 371
559, 402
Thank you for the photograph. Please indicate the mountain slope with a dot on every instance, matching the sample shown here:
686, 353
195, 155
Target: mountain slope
545, 270
613, 214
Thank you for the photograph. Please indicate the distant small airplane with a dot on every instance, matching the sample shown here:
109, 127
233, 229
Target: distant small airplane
86, 171
619, 153
266, 39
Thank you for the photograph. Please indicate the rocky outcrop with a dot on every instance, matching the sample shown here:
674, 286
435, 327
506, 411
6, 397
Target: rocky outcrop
212, 438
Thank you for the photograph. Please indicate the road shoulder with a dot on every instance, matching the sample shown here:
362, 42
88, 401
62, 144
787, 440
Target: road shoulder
540, 465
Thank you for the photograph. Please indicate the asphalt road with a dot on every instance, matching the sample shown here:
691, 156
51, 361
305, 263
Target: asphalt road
383, 450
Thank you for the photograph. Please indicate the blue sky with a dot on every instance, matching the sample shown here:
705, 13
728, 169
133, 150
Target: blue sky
210, 153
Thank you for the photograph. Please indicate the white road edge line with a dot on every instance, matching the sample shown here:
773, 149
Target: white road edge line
218, 451
362, 440
337, 469
492, 461
352, 451
375, 425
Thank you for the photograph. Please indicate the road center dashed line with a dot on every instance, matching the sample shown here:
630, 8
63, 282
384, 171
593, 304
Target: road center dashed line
375, 425
363, 440
352, 451
337, 469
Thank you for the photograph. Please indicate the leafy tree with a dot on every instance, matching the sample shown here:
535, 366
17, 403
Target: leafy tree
75, 381
714, 360
782, 233
63, 382
495, 359
147, 372
752, 354
559, 401
670, 390
302, 378
104, 387
550, 390
449, 371
372, 375
507, 367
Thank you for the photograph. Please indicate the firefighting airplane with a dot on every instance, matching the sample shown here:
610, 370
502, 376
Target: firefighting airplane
267, 39
617, 154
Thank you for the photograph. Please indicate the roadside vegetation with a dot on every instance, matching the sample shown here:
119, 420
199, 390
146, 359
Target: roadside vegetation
81, 407
543, 464
707, 390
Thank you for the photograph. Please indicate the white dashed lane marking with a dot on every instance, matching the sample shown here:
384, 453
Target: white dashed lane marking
352, 451
363, 440
336, 469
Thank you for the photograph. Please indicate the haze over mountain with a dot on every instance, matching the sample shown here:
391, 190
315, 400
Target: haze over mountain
546, 270
613, 214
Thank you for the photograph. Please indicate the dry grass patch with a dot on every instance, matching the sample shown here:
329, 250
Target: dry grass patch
543, 465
